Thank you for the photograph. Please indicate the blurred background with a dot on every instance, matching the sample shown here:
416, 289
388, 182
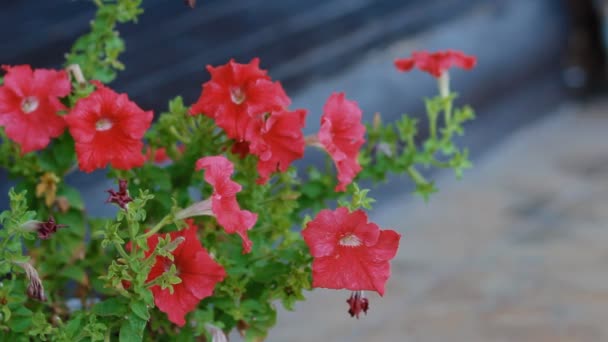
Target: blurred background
516, 251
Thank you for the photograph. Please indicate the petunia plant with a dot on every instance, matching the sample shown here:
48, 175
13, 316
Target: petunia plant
215, 226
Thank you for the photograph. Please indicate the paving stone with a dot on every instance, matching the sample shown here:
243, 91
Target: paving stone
516, 251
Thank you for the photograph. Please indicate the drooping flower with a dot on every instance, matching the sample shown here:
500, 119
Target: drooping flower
198, 272
35, 289
238, 93
349, 252
29, 105
120, 197
45, 229
278, 141
357, 303
436, 63
224, 205
342, 135
107, 128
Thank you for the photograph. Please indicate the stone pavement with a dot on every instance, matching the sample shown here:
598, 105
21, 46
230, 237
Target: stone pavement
516, 251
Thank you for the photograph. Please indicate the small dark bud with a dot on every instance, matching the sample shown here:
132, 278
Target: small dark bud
120, 197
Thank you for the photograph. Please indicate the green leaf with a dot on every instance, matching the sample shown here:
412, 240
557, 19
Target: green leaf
73, 326
75, 273
132, 329
141, 310
111, 307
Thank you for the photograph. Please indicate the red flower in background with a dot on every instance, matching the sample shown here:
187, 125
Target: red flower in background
436, 63
238, 93
29, 102
107, 128
342, 135
224, 205
349, 252
198, 272
160, 154
278, 141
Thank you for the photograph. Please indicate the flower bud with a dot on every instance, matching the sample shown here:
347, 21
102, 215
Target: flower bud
35, 289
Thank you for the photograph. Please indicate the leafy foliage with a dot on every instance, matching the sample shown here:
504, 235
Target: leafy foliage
95, 271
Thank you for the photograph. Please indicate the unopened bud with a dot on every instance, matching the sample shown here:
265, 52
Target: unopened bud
377, 122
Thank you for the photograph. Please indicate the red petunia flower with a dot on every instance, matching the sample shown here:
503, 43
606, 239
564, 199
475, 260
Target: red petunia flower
342, 135
436, 63
107, 128
349, 252
278, 141
29, 102
198, 272
238, 93
224, 205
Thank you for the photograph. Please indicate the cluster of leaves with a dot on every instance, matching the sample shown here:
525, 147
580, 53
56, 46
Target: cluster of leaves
401, 148
85, 267
97, 52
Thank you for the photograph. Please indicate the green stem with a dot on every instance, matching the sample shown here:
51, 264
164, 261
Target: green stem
166, 220
433, 125
154, 282
416, 176
122, 251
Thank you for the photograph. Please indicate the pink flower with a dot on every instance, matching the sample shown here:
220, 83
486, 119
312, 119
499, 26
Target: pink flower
198, 273
436, 63
278, 141
224, 205
29, 105
342, 135
238, 93
349, 252
107, 128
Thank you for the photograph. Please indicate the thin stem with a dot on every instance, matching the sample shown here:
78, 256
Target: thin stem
122, 251
166, 220
416, 176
